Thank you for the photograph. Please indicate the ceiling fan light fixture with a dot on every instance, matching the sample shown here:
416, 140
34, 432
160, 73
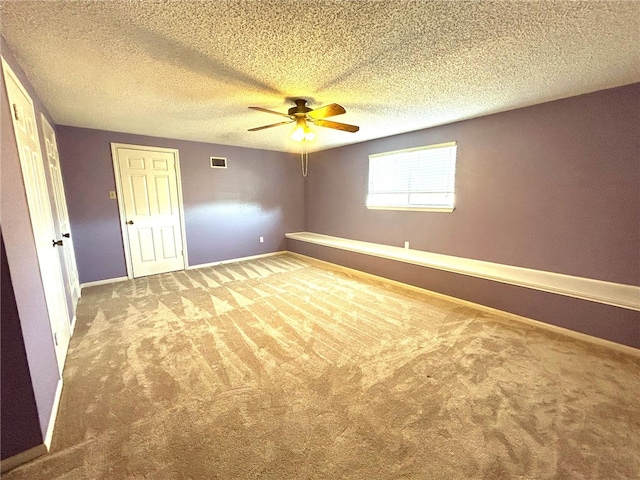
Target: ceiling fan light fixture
298, 134
302, 131
309, 134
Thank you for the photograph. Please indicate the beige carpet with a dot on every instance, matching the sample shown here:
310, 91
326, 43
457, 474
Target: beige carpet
283, 368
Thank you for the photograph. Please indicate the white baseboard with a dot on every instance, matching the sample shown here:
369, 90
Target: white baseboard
22, 457
608, 293
190, 267
103, 282
233, 260
494, 311
54, 414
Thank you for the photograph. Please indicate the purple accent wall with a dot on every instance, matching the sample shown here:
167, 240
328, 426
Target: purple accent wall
20, 428
553, 187
261, 193
37, 340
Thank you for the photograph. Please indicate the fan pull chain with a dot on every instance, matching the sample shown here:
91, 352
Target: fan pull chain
304, 158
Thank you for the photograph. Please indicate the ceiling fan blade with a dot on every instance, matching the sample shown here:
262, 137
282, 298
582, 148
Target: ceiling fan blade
327, 111
260, 109
269, 126
338, 126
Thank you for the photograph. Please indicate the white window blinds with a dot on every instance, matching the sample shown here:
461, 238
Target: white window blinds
418, 178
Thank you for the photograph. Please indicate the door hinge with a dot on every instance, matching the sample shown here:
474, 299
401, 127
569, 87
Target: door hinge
15, 112
55, 338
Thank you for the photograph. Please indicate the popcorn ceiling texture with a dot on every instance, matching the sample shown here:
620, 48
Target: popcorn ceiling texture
190, 69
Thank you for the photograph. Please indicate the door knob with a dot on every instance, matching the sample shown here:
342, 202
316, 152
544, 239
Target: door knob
58, 243
66, 235
130, 222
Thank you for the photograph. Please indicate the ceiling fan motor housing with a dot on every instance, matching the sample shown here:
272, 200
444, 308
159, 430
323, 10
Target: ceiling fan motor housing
300, 109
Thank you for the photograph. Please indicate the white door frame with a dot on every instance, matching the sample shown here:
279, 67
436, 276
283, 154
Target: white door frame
121, 209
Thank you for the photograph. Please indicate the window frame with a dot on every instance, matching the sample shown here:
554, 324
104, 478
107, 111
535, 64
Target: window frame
417, 208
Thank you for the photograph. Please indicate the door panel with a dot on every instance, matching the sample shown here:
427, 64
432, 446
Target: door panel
151, 212
60, 205
139, 196
168, 242
147, 248
41, 216
163, 196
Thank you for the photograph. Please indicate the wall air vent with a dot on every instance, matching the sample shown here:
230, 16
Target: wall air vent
218, 162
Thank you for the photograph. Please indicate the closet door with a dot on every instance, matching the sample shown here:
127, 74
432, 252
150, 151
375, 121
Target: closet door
37, 192
69, 257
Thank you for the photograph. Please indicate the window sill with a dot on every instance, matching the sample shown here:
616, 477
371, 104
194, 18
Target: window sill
412, 209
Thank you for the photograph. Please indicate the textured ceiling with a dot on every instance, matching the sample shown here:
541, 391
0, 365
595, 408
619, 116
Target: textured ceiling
190, 69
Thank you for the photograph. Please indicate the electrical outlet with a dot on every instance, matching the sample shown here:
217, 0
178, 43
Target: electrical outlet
406, 244
261, 239
112, 194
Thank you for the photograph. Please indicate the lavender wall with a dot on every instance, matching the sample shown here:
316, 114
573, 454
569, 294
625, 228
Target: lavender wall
553, 187
20, 428
226, 210
37, 340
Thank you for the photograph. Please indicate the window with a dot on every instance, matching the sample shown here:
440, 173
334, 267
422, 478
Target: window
420, 178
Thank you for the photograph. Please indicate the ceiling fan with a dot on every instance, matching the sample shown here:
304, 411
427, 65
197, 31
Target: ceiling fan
301, 114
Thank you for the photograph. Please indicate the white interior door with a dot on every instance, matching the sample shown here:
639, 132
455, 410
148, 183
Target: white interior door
61, 209
150, 208
33, 174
